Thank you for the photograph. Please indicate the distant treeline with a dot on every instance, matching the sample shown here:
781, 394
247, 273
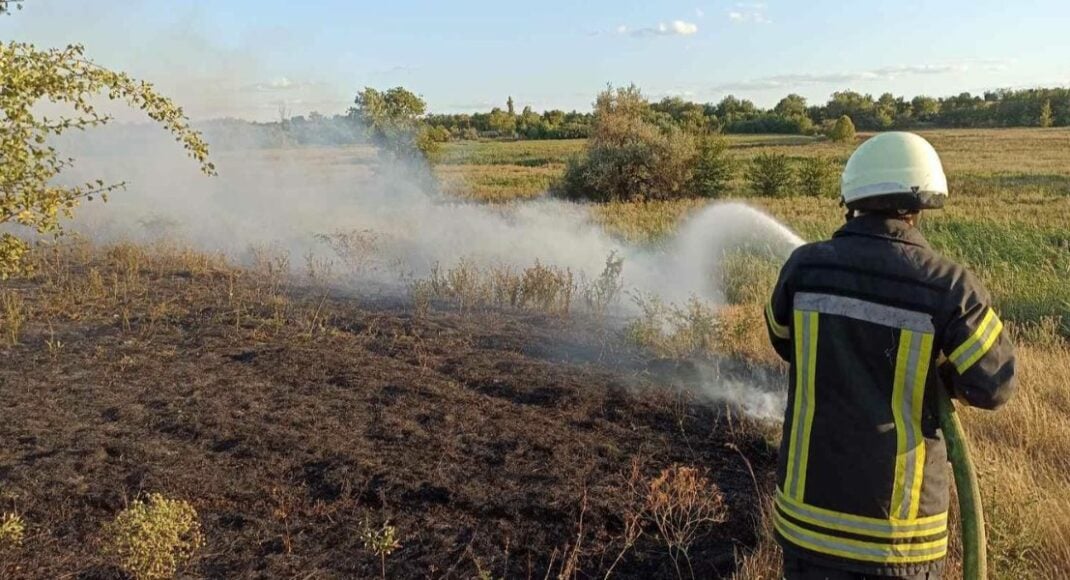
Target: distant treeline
791, 115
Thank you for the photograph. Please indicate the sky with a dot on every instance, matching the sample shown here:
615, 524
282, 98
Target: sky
259, 59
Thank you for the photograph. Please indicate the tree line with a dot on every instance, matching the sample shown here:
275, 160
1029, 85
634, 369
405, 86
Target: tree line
793, 114
1042, 107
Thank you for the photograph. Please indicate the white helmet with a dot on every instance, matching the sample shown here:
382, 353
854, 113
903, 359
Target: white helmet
894, 171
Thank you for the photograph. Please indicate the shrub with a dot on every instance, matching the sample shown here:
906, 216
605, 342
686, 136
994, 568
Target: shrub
818, 177
843, 130
770, 174
713, 168
628, 156
154, 539
683, 503
12, 530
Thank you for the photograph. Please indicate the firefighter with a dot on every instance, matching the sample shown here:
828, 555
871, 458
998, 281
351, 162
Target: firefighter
873, 322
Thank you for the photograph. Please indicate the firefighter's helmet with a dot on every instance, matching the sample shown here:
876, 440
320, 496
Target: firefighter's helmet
894, 171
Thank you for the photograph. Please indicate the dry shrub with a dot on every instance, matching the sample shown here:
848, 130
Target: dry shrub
682, 503
542, 288
153, 539
14, 315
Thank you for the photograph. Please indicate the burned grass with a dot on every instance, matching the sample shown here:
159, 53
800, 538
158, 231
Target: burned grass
300, 424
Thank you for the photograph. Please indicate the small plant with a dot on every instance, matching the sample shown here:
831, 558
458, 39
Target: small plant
380, 541
154, 539
818, 177
12, 530
604, 291
682, 502
770, 175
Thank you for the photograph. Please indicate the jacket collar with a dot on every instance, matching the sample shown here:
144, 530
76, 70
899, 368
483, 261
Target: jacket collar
876, 226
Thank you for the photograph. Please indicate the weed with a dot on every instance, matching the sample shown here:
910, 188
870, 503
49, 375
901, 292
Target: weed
13, 308
153, 539
381, 541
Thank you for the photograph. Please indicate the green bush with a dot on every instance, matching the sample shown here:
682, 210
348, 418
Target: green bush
628, 156
818, 177
714, 169
843, 130
770, 175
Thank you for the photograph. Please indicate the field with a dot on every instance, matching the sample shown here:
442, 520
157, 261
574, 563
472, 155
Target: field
495, 440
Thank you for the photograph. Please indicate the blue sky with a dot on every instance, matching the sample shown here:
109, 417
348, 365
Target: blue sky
248, 58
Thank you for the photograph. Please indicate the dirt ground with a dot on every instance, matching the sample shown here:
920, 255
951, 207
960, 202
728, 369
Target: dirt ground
497, 444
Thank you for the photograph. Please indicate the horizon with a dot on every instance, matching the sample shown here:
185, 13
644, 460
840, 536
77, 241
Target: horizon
250, 61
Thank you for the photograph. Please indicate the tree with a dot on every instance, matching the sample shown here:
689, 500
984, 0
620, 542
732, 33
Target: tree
843, 130
509, 106
502, 122
29, 195
1046, 117
791, 106
770, 174
713, 167
817, 177
393, 122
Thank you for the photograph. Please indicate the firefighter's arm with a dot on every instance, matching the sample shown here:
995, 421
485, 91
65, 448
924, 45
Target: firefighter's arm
778, 313
980, 362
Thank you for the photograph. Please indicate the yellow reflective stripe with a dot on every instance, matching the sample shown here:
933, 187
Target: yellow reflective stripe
900, 421
811, 396
908, 390
803, 413
985, 347
797, 410
975, 347
861, 525
918, 397
779, 330
859, 550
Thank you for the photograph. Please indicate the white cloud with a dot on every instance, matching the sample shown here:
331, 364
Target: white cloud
878, 74
276, 84
674, 28
749, 12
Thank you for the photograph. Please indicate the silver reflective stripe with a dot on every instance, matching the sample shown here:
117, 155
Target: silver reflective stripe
910, 387
865, 311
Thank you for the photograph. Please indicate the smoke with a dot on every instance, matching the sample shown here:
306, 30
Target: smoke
287, 199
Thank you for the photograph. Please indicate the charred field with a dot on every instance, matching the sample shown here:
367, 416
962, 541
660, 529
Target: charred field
494, 443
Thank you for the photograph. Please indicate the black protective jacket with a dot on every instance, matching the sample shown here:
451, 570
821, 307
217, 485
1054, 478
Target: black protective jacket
873, 321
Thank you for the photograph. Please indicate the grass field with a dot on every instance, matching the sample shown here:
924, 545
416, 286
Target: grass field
1008, 220
496, 434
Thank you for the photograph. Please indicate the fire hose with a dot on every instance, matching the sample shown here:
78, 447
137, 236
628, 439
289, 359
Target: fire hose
974, 557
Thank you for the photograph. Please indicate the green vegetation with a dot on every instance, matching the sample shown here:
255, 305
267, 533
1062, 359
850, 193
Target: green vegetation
770, 175
393, 122
635, 154
843, 130
29, 196
818, 177
153, 540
